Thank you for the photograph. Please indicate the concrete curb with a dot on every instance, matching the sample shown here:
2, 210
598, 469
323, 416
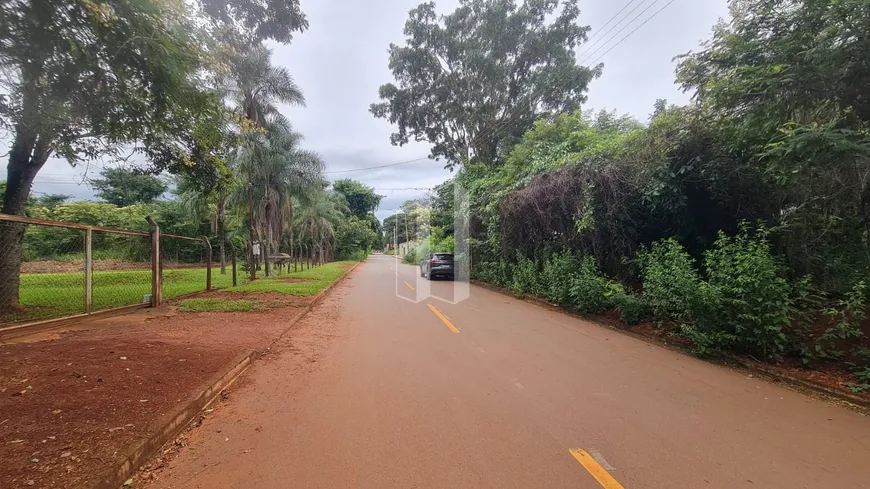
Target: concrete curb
172, 424
771, 374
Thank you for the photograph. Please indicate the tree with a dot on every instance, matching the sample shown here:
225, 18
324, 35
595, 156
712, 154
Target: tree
277, 169
362, 200
84, 77
123, 187
255, 86
259, 20
318, 219
468, 81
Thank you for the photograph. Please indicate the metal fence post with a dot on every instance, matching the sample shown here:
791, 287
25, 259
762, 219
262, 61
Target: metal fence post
89, 271
156, 282
208, 265
233, 250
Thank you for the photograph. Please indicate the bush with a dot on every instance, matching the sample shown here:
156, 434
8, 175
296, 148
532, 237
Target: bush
525, 276
590, 292
494, 272
632, 309
411, 257
670, 281
556, 277
755, 300
848, 315
704, 342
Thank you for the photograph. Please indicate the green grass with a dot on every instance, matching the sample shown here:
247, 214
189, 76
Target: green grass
217, 305
318, 279
48, 295
51, 295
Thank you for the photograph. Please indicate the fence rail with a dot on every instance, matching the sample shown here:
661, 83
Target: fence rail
60, 270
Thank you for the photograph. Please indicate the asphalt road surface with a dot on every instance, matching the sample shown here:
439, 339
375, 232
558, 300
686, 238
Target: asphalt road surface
375, 389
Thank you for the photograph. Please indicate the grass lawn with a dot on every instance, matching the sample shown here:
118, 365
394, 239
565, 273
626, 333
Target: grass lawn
52, 295
217, 305
317, 279
49, 295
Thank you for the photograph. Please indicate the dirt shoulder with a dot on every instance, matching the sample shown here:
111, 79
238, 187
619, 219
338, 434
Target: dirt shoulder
72, 400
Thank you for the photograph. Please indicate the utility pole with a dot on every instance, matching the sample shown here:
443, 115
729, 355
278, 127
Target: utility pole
251, 264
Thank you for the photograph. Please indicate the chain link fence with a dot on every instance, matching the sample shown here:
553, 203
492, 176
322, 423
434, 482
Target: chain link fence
52, 276
60, 270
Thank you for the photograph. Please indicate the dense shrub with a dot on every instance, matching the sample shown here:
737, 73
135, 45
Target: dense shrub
632, 309
755, 299
525, 276
590, 292
670, 281
411, 257
557, 275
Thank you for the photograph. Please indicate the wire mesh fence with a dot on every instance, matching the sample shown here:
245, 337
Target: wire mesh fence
185, 264
121, 269
51, 270
51, 279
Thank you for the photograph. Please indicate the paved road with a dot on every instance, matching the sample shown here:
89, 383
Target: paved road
375, 391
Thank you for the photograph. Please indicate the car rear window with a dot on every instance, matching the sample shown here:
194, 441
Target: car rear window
444, 256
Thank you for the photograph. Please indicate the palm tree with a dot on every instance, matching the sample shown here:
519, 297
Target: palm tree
254, 87
278, 170
318, 219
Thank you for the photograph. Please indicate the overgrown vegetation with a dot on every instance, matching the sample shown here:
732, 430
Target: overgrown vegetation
740, 222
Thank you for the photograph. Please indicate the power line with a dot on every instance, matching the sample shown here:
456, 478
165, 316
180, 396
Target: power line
498, 127
635, 29
602, 33
626, 26
376, 167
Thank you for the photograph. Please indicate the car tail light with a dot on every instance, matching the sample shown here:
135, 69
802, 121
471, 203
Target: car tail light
434, 262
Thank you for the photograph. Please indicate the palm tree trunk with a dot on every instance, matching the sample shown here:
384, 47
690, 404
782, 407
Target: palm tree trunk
221, 225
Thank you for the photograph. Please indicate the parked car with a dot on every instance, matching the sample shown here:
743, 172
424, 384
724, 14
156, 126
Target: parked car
437, 265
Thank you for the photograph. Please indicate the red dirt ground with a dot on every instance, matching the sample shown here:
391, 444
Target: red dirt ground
76, 266
71, 402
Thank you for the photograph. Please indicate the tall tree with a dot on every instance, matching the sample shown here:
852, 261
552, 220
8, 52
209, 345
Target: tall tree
82, 77
278, 170
259, 20
123, 187
255, 87
318, 220
362, 200
469, 80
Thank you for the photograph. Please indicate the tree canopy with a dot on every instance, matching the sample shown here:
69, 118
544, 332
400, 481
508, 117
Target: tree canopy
123, 187
362, 200
482, 74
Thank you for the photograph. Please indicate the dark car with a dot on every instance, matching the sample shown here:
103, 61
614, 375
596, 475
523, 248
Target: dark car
437, 265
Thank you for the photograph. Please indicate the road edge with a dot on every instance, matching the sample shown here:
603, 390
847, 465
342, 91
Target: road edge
801, 385
168, 427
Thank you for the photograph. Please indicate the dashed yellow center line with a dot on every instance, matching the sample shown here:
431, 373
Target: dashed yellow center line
409, 285
443, 319
595, 469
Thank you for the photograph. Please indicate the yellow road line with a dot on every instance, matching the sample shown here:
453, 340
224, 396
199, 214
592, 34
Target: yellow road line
595, 469
409, 285
443, 319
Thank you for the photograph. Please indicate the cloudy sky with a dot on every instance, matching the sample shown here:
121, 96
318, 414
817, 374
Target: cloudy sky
342, 60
